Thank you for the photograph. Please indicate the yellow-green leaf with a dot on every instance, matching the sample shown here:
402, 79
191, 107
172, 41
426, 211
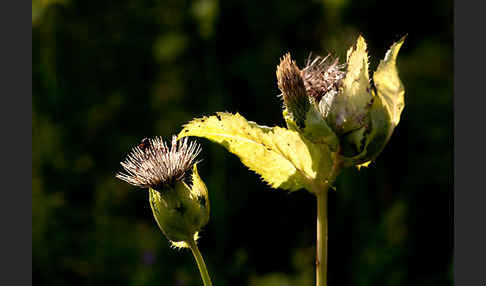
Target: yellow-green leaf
282, 157
357, 65
366, 164
388, 85
350, 109
315, 128
388, 103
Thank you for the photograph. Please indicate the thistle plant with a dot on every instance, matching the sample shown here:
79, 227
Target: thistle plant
335, 119
177, 195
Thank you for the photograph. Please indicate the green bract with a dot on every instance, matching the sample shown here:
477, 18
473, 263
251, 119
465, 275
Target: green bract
383, 114
181, 211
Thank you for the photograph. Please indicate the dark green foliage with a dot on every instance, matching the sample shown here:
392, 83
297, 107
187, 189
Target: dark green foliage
108, 73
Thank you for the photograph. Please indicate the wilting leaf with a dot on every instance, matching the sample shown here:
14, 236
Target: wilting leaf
282, 157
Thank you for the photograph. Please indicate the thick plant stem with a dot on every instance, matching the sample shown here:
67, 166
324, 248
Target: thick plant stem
321, 245
200, 263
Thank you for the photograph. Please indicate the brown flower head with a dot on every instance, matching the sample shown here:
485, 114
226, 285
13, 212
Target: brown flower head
322, 76
291, 85
154, 164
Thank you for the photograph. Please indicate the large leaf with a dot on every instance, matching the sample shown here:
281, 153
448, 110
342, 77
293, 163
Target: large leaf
282, 157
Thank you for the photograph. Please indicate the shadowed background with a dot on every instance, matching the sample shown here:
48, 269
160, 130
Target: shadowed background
108, 73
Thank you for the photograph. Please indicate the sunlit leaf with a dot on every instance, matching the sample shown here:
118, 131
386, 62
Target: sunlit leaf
315, 128
388, 85
350, 108
366, 164
388, 103
282, 157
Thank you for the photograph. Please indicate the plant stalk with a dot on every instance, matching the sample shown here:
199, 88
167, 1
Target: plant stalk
321, 257
200, 263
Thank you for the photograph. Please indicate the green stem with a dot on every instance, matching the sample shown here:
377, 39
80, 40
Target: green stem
200, 263
321, 243
321, 259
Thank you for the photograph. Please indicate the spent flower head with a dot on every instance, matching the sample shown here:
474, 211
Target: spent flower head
321, 76
178, 197
154, 164
292, 86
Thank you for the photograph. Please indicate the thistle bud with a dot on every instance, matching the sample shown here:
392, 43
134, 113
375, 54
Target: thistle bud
340, 108
178, 197
362, 116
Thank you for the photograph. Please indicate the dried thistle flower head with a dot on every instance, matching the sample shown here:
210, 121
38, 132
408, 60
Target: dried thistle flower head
153, 164
293, 90
322, 76
304, 90
178, 197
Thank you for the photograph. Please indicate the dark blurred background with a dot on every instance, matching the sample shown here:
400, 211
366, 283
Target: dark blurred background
108, 73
